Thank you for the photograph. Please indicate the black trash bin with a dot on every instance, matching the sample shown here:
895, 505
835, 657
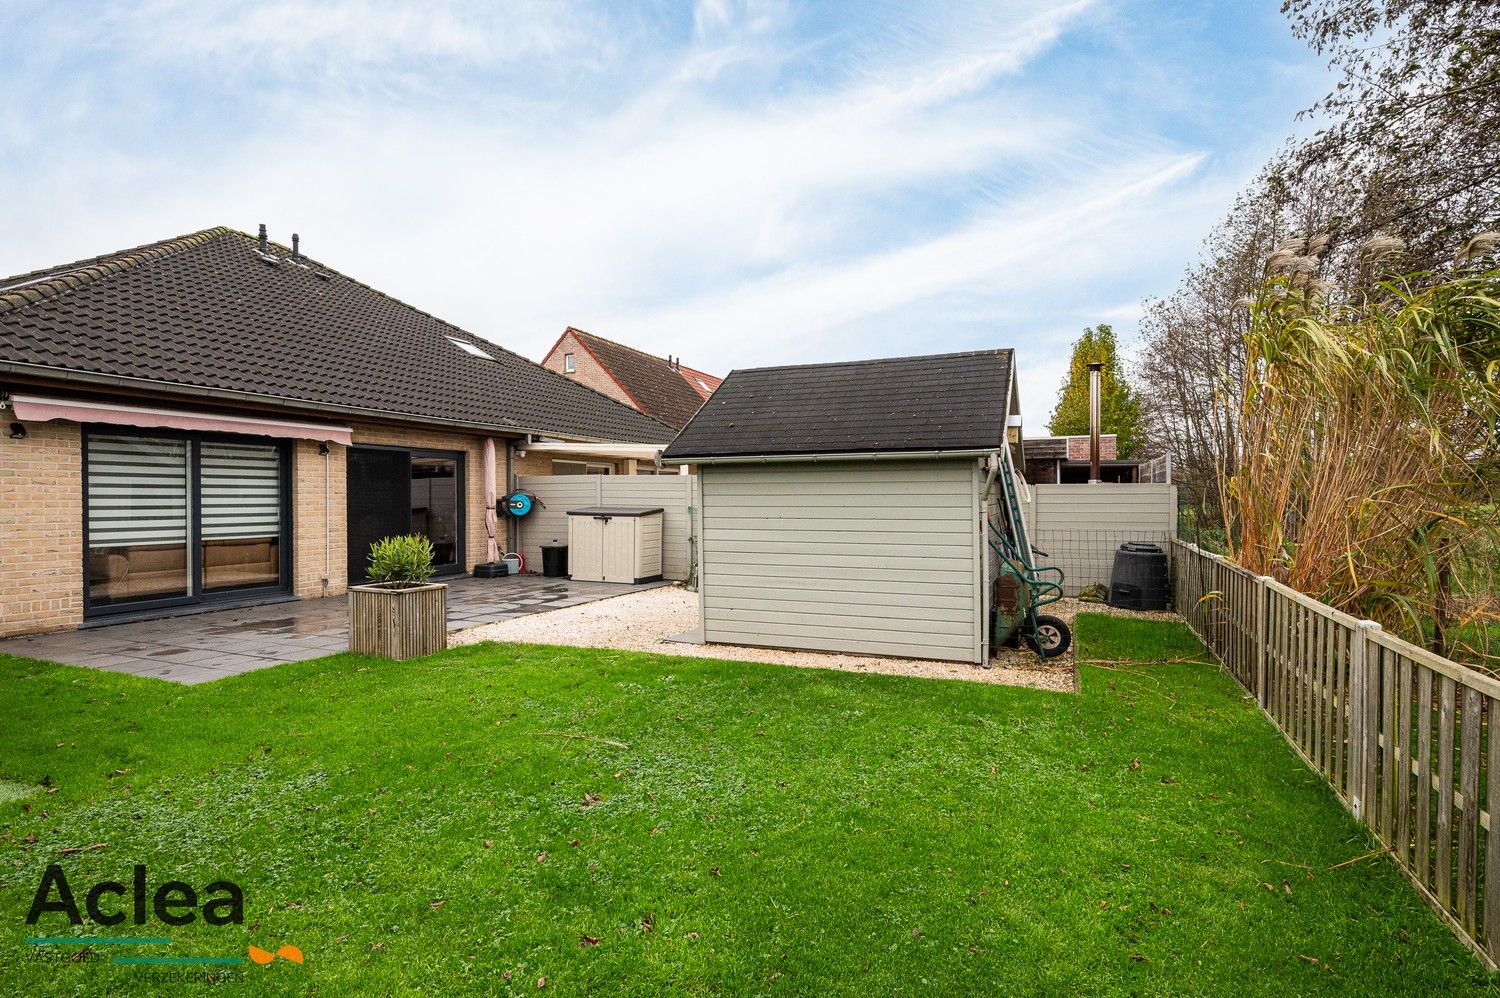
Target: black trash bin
555, 560
1139, 580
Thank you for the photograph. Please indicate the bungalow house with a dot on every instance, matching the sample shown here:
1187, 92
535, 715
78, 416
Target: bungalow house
661, 387
217, 419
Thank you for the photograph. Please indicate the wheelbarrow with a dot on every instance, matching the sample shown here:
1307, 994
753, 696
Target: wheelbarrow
1018, 593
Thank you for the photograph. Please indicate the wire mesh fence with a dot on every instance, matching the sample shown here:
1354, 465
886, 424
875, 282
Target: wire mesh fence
1087, 556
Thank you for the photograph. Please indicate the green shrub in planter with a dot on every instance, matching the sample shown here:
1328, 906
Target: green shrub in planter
401, 561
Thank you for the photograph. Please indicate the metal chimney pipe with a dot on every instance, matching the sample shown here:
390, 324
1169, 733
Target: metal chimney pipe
263, 247
1094, 378
296, 251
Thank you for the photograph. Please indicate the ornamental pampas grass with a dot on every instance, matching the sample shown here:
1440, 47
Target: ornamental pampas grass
1351, 474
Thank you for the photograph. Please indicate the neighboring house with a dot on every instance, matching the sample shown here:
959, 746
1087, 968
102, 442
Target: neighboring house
842, 506
658, 386
215, 419
1065, 460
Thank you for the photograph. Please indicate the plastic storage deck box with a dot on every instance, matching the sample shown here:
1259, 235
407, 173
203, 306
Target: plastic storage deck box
615, 543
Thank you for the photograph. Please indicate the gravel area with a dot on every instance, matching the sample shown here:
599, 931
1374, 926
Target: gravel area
643, 621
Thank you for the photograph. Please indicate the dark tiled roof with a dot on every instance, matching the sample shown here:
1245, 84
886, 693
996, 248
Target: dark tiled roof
205, 312
659, 389
1046, 448
954, 401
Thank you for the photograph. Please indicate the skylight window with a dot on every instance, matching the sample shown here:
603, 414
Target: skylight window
468, 347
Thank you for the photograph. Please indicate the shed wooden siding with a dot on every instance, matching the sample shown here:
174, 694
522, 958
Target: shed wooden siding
869, 558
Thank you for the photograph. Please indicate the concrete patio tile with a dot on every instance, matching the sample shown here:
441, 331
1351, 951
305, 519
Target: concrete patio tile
217, 643
239, 664
173, 673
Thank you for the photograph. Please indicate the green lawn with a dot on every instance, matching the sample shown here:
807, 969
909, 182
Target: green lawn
713, 827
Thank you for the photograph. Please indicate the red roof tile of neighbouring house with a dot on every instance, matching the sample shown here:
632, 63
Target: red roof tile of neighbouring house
660, 388
703, 384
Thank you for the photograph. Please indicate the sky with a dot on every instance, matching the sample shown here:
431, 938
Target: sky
739, 183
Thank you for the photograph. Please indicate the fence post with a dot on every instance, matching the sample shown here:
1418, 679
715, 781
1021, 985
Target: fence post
1262, 598
1363, 722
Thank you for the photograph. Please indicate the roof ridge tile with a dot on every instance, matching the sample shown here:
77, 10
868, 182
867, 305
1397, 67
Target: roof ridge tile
54, 281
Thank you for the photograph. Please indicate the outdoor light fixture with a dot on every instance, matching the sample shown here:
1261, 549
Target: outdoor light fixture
323, 449
17, 431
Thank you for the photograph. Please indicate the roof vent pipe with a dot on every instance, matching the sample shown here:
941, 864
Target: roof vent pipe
263, 247
1094, 377
296, 251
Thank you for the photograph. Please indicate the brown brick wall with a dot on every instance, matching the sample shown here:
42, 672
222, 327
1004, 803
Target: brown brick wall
588, 371
41, 529
319, 548
1078, 447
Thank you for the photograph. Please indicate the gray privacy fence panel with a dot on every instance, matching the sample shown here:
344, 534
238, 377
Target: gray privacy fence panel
1401, 734
1081, 526
548, 524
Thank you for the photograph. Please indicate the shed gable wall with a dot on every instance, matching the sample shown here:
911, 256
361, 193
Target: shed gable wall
870, 558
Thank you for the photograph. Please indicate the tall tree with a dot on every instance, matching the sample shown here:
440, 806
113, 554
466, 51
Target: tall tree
1407, 156
1410, 129
1119, 406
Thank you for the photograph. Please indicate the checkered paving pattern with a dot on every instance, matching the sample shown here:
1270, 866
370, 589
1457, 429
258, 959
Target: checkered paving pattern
205, 646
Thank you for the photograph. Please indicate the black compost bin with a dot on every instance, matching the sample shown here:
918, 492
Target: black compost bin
1139, 580
555, 560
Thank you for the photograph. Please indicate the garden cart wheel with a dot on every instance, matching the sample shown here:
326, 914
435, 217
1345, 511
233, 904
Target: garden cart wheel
1051, 637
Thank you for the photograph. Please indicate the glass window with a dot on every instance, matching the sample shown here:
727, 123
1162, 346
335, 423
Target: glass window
434, 505
569, 365
138, 519
241, 496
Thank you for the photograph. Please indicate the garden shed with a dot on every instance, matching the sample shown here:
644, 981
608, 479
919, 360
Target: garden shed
842, 506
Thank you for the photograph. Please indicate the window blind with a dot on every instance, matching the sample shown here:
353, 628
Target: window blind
138, 491
241, 491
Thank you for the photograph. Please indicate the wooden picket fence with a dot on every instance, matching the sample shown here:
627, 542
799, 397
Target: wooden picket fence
1401, 734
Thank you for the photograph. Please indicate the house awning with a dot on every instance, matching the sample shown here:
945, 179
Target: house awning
39, 409
640, 452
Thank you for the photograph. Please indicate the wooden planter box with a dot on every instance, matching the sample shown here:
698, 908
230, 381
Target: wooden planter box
398, 622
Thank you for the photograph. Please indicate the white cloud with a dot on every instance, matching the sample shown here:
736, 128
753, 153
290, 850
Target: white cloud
293, 37
905, 199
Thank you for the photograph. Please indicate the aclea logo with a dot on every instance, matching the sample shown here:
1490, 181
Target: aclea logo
173, 902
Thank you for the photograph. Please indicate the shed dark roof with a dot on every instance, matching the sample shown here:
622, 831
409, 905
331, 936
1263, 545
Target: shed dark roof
659, 389
206, 312
956, 401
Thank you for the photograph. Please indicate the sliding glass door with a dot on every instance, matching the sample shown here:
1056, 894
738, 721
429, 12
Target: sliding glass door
137, 519
241, 508
396, 490
435, 509
178, 519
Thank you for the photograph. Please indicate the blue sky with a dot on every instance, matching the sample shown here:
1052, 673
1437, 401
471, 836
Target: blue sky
737, 183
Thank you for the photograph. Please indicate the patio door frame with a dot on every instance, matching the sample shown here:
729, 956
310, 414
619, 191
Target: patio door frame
195, 596
460, 499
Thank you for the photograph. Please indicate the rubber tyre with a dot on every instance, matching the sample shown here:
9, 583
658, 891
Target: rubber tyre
1051, 638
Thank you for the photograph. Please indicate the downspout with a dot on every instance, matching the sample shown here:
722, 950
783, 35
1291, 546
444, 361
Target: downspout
512, 527
989, 479
327, 520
